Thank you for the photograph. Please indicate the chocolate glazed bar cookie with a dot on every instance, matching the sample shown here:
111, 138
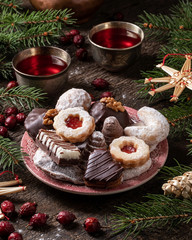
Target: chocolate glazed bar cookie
102, 171
61, 152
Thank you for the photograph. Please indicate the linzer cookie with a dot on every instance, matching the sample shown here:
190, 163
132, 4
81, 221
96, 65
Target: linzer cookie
102, 171
74, 124
62, 153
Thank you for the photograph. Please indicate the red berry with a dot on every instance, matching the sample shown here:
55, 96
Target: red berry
20, 117
11, 111
8, 208
38, 220
65, 217
2, 119
81, 54
11, 122
74, 32
15, 236
12, 84
100, 83
3, 131
106, 94
28, 209
65, 40
6, 228
78, 40
92, 225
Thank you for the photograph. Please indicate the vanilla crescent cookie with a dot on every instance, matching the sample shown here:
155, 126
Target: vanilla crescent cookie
136, 158
74, 97
74, 124
154, 128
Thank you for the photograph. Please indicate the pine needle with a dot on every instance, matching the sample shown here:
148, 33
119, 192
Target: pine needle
11, 154
22, 95
158, 211
168, 172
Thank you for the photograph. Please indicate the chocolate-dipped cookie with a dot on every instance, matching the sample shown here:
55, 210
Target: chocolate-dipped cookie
102, 171
111, 129
34, 121
95, 141
61, 152
100, 111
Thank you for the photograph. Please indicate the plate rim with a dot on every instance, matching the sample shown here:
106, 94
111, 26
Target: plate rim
100, 191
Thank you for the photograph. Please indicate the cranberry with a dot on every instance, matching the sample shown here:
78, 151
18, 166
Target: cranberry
65, 217
11, 122
38, 220
11, 111
118, 16
12, 84
65, 40
8, 208
74, 32
78, 40
6, 228
15, 236
2, 119
81, 54
3, 131
100, 83
92, 225
28, 209
106, 94
20, 117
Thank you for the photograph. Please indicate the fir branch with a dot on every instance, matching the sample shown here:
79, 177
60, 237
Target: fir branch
159, 211
22, 95
179, 116
10, 6
10, 153
6, 69
48, 18
169, 172
189, 146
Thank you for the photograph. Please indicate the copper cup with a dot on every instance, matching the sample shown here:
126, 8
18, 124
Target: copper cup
51, 84
115, 59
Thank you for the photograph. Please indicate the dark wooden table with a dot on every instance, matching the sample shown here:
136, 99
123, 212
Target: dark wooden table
124, 86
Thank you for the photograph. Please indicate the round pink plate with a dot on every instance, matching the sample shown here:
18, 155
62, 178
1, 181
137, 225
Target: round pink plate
158, 156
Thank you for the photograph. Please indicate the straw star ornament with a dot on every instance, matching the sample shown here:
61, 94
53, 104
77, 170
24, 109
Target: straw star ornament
177, 79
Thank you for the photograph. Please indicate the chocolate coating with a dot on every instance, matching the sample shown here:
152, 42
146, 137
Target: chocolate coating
100, 112
34, 121
102, 171
111, 129
52, 147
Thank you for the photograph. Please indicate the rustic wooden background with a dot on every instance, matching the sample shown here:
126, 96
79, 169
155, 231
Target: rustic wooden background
124, 86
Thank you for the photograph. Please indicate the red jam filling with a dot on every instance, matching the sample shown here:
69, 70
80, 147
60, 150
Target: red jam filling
73, 122
128, 149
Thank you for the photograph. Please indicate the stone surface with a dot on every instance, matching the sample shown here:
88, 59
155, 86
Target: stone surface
52, 201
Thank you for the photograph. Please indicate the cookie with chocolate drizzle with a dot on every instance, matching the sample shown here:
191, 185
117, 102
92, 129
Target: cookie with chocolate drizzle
102, 171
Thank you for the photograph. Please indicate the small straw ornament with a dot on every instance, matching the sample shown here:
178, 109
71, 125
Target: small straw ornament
177, 79
7, 186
